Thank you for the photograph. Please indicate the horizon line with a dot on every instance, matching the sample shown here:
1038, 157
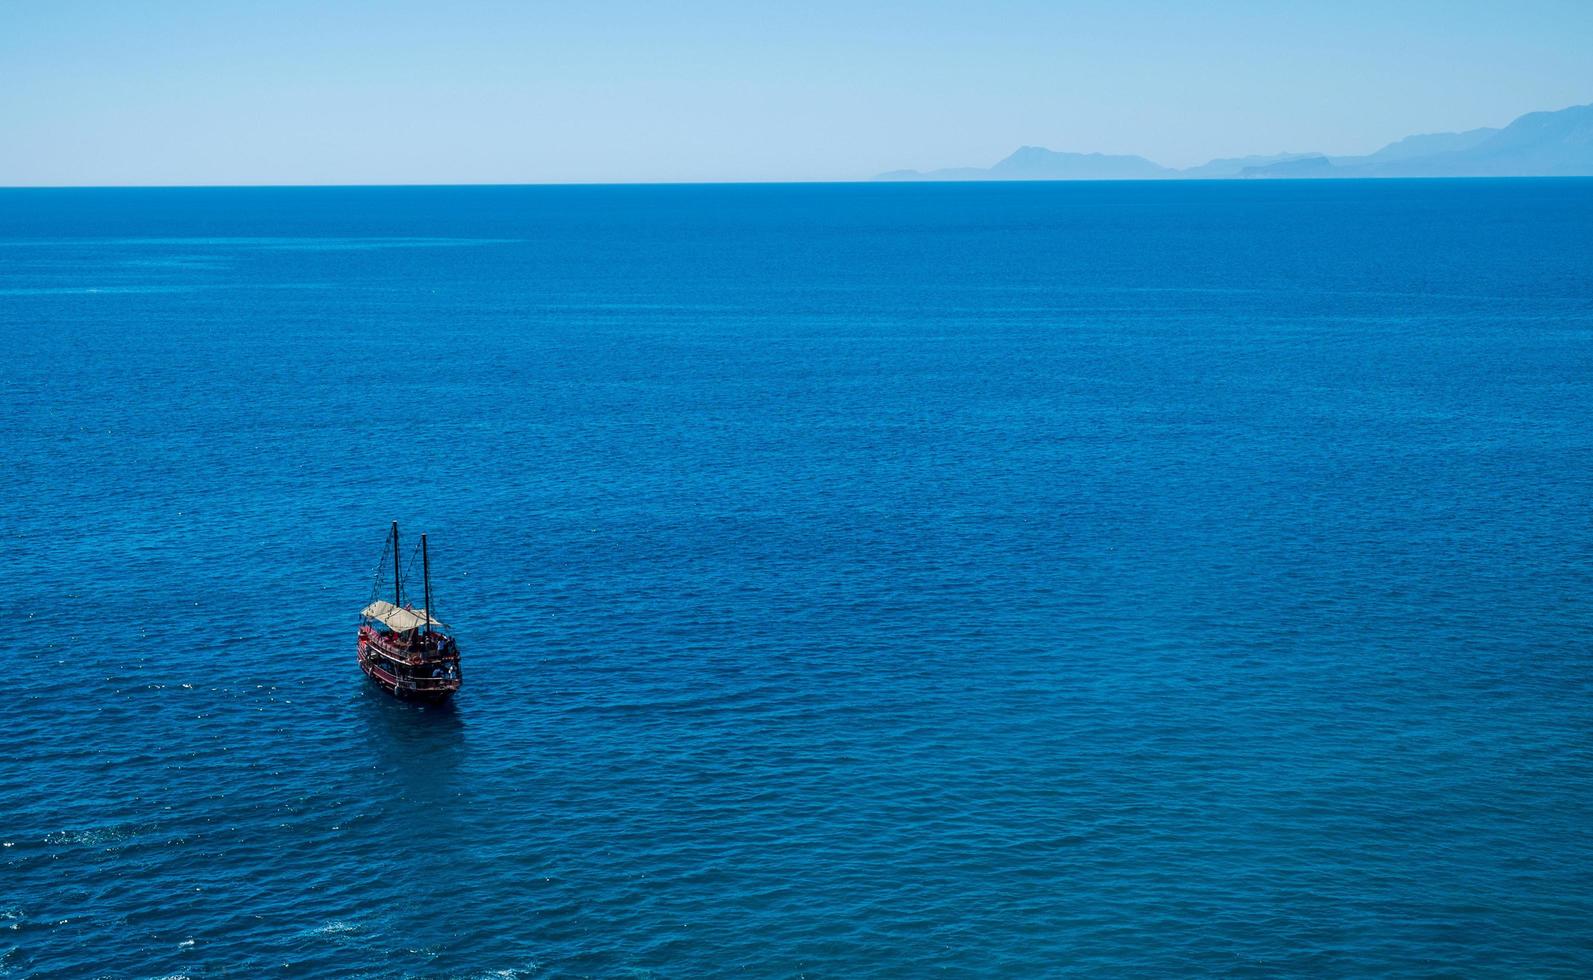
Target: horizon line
786, 182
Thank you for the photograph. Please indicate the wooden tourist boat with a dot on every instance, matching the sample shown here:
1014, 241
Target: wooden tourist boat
403, 649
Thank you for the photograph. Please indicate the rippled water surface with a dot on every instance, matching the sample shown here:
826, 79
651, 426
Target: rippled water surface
1159, 579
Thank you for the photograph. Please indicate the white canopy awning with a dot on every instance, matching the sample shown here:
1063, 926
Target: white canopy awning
399, 619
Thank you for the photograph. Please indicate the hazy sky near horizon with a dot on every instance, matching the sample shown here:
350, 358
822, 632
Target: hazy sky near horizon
219, 92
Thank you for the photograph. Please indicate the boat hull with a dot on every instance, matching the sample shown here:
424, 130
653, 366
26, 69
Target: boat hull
402, 692
412, 677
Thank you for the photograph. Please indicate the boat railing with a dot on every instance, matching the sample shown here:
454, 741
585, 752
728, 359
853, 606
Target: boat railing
405, 653
429, 683
399, 660
420, 683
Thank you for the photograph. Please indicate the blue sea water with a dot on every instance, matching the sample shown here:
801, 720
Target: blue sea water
1166, 579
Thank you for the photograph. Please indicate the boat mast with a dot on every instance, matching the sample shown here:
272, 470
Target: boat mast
398, 581
425, 575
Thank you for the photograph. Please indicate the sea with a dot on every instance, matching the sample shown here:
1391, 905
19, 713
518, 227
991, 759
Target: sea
1166, 579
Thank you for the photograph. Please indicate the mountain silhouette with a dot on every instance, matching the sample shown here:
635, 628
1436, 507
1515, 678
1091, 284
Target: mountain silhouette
1538, 144
1039, 163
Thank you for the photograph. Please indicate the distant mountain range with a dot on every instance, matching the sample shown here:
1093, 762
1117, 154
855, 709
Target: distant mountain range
1538, 144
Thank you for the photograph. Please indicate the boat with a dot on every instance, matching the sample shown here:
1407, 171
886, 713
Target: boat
405, 650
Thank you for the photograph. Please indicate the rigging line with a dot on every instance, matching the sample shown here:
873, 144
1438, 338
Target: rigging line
381, 570
381, 565
410, 563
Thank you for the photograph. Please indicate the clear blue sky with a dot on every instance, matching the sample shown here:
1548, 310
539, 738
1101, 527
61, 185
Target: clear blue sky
217, 92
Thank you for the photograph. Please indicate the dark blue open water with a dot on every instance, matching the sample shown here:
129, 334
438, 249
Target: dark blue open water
1166, 579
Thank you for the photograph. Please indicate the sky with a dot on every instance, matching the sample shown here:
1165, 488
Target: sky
162, 92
